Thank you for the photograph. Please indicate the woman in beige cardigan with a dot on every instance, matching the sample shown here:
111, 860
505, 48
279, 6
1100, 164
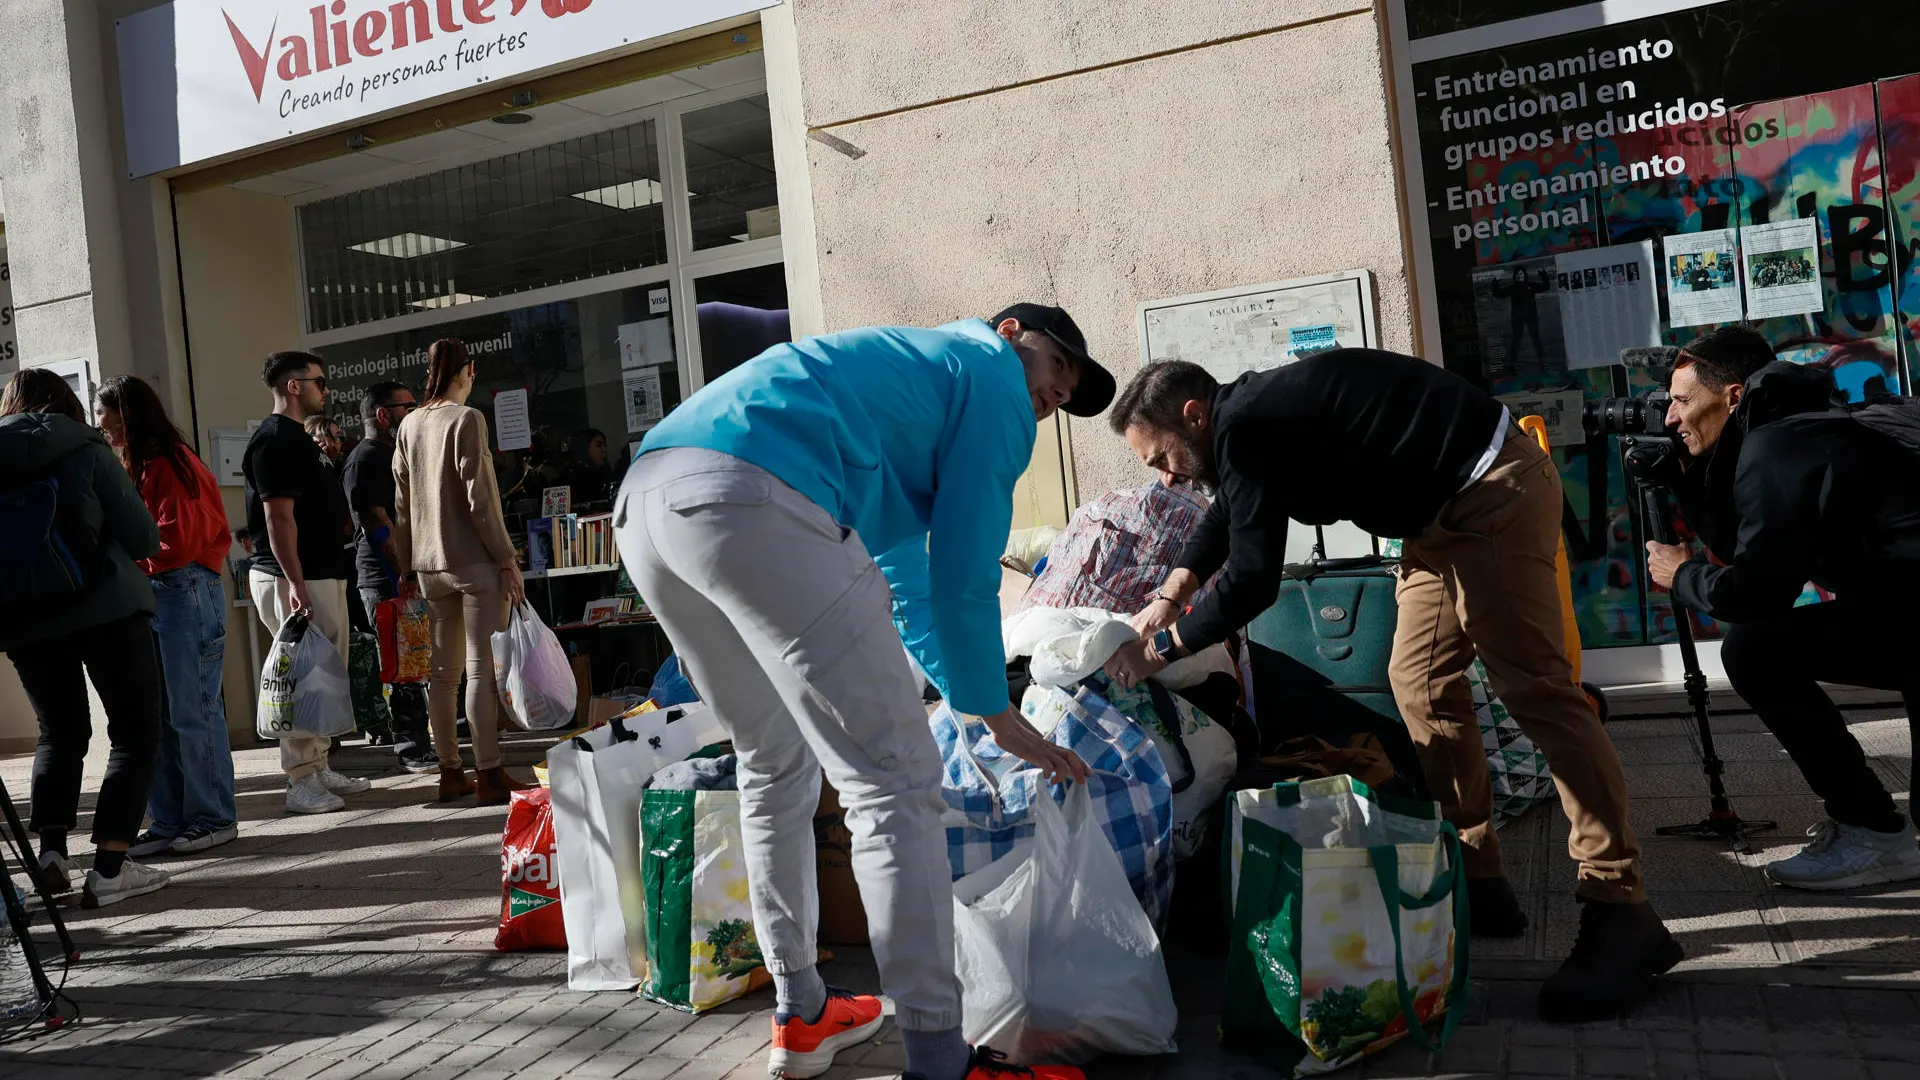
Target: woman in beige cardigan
450, 533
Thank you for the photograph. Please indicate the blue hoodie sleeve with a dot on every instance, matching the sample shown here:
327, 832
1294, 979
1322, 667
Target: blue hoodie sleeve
983, 456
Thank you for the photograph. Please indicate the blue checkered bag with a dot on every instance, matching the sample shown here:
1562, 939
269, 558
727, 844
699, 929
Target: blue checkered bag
988, 791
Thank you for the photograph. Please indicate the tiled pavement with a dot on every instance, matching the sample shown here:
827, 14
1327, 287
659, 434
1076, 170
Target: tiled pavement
358, 947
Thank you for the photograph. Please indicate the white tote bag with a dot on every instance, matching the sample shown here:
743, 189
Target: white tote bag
596, 779
1057, 960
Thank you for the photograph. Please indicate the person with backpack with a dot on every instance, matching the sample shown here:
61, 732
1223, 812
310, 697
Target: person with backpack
73, 608
1799, 488
191, 806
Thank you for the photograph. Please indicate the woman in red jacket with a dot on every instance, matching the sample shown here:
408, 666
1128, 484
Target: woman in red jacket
191, 807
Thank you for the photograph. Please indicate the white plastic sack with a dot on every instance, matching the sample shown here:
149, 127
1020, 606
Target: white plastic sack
596, 779
304, 687
531, 670
1056, 959
1068, 644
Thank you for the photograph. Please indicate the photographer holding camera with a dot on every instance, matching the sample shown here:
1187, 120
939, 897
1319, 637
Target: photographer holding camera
1785, 486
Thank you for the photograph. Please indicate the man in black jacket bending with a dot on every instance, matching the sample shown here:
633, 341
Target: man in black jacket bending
1813, 495
1404, 449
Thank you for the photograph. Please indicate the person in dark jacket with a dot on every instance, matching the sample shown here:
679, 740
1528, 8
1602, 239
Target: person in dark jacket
1815, 496
102, 632
1402, 448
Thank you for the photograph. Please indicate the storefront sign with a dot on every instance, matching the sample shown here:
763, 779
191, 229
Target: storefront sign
9, 348
205, 78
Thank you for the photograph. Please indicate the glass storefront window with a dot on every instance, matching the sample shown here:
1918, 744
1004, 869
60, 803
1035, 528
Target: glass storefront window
578, 209
731, 193
741, 313
599, 365
1672, 135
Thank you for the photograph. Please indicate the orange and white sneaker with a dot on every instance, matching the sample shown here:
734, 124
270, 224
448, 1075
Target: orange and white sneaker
993, 1065
802, 1051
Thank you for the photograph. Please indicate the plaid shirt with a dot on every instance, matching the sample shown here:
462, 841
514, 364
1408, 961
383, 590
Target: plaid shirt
1118, 550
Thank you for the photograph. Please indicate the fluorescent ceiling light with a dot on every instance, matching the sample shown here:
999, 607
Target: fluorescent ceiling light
446, 301
631, 195
410, 245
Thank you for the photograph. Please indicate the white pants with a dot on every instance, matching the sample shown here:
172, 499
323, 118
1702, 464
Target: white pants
783, 622
303, 755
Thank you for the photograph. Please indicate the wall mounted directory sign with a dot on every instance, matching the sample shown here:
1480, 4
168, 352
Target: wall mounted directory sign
1703, 277
1782, 260
201, 79
1234, 331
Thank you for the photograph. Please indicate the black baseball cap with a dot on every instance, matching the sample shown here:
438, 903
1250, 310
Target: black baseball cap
1095, 390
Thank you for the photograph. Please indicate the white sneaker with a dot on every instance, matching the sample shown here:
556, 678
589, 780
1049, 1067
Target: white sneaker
1848, 856
54, 874
132, 880
345, 785
308, 795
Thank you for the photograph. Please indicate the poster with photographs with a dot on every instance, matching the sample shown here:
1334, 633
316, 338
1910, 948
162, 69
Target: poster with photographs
1614, 306
1783, 268
1703, 278
1560, 409
1517, 308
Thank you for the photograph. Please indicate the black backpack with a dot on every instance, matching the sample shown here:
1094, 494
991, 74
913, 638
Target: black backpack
37, 564
1894, 416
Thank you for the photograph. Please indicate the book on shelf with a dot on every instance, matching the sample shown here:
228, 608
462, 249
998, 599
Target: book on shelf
571, 540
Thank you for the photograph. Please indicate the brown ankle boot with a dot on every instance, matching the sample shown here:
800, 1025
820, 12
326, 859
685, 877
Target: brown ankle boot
496, 787
454, 784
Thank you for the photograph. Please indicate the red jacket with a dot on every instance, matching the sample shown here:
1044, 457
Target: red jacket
193, 528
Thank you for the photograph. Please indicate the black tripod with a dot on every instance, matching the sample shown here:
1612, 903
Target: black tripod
1721, 823
22, 922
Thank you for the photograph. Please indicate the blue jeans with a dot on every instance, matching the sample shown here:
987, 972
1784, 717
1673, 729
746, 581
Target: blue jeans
193, 780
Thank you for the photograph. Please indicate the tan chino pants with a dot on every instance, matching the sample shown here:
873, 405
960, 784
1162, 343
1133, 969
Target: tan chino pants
1481, 580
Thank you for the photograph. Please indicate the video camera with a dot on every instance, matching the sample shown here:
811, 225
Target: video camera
1642, 420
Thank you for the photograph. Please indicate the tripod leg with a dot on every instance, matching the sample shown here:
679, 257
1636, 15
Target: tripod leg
25, 842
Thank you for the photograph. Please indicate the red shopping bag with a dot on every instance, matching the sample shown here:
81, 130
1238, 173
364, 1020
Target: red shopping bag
406, 641
529, 889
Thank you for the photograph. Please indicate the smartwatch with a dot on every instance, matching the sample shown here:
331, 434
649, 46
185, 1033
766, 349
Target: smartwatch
1163, 645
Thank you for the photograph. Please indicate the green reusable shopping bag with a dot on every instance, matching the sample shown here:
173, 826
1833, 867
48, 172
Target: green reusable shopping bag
701, 948
370, 713
1350, 918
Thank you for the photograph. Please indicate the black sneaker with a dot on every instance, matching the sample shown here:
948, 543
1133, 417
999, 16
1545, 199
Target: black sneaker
147, 844
424, 762
201, 838
1621, 949
1494, 909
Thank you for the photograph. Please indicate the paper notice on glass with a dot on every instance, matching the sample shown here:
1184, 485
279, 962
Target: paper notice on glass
644, 407
646, 343
1703, 278
1783, 268
1615, 306
512, 428
1559, 408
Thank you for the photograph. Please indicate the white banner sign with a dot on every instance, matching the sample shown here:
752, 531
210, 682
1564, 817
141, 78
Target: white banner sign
204, 78
9, 349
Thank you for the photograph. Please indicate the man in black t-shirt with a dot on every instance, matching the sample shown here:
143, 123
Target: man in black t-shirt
297, 519
368, 479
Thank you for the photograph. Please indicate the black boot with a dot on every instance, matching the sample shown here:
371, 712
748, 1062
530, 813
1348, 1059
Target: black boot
1494, 909
1620, 950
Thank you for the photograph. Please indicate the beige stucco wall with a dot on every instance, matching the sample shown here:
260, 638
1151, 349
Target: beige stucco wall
1096, 156
240, 282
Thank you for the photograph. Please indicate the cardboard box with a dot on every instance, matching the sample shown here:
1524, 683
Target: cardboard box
601, 710
843, 918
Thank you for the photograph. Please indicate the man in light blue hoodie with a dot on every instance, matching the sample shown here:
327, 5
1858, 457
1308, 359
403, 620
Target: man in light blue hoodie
780, 523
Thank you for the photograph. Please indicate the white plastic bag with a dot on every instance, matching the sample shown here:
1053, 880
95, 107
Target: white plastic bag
1069, 644
531, 669
304, 688
1056, 959
596, 779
